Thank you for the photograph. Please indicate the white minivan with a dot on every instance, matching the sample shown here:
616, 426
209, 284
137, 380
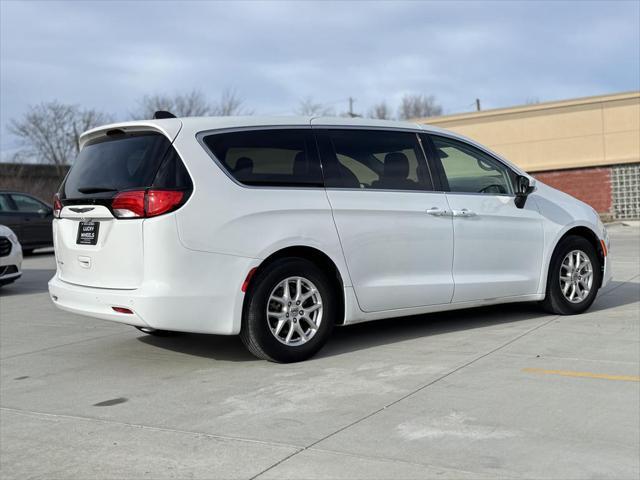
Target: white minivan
279, 228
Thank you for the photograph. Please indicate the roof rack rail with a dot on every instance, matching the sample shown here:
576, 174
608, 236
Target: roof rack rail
160, 114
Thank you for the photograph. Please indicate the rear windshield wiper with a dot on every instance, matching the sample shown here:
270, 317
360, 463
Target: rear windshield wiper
96, 189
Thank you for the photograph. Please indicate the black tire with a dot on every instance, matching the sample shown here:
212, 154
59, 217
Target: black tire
256, 333
27, 252
555, 302
158, 333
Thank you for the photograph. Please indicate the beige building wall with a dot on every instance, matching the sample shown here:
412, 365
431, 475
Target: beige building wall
584, 132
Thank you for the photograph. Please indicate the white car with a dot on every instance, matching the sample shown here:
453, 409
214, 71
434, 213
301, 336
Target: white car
10, 256
279, 228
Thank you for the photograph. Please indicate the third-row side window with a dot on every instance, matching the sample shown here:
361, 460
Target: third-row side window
271, 157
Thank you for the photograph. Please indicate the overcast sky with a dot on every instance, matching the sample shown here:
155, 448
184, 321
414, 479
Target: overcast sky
106, 55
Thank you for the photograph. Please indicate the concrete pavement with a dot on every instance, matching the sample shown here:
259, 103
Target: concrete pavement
505, 391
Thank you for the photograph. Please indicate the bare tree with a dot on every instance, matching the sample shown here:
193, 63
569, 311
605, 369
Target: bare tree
85, 120
308, 107
191, 104
418, 106
381, 111
49, 132
229, 104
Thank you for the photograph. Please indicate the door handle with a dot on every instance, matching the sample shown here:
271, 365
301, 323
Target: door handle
437, 212
465, 212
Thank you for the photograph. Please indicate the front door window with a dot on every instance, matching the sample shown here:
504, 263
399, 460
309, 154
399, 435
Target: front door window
469, 170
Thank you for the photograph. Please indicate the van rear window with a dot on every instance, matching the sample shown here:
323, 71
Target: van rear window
124, 162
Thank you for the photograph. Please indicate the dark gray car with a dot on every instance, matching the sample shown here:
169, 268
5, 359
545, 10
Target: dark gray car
29, 217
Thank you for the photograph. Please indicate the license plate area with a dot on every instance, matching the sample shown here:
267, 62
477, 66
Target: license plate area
88, 233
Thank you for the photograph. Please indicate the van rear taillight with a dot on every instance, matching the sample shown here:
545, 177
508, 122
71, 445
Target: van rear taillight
163, 201
57, 206
129, 204
146, 203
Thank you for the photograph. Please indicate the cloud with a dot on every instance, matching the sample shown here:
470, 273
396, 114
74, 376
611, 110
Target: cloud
108, 54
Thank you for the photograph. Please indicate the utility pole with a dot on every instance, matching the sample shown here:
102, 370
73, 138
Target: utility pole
477, 104
351, 114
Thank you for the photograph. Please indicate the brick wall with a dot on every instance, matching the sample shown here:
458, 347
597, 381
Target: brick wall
591, 185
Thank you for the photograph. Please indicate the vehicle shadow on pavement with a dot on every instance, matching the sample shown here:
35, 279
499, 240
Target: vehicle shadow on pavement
381, 332
616, 294
350, 338
32, 281
393, 330
356, 337
215, 347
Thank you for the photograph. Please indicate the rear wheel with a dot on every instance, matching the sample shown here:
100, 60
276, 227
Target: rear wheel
158, 333
574, 277
289, 311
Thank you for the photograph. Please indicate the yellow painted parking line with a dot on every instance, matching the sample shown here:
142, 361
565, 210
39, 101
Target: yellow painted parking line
567, 373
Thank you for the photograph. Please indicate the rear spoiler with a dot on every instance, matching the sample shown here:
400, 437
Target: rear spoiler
169, 127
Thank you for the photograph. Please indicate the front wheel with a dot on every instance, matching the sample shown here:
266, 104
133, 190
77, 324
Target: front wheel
289, 311
574, 277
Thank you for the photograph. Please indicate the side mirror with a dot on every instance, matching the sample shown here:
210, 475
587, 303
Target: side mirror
524, 187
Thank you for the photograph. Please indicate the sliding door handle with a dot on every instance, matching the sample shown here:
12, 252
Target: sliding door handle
437, 212
465, 212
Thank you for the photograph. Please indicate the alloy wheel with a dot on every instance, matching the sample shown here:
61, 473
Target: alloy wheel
294, 311
576, 276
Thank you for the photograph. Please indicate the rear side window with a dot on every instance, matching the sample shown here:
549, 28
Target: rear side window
125, 162
25, 203
5, 206
172, 173
374, 159
286, 157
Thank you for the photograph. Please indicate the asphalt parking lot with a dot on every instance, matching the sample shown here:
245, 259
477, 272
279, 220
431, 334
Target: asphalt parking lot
505, 391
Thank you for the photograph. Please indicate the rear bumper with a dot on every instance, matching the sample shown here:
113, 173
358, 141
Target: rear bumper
207, 300
94, 302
